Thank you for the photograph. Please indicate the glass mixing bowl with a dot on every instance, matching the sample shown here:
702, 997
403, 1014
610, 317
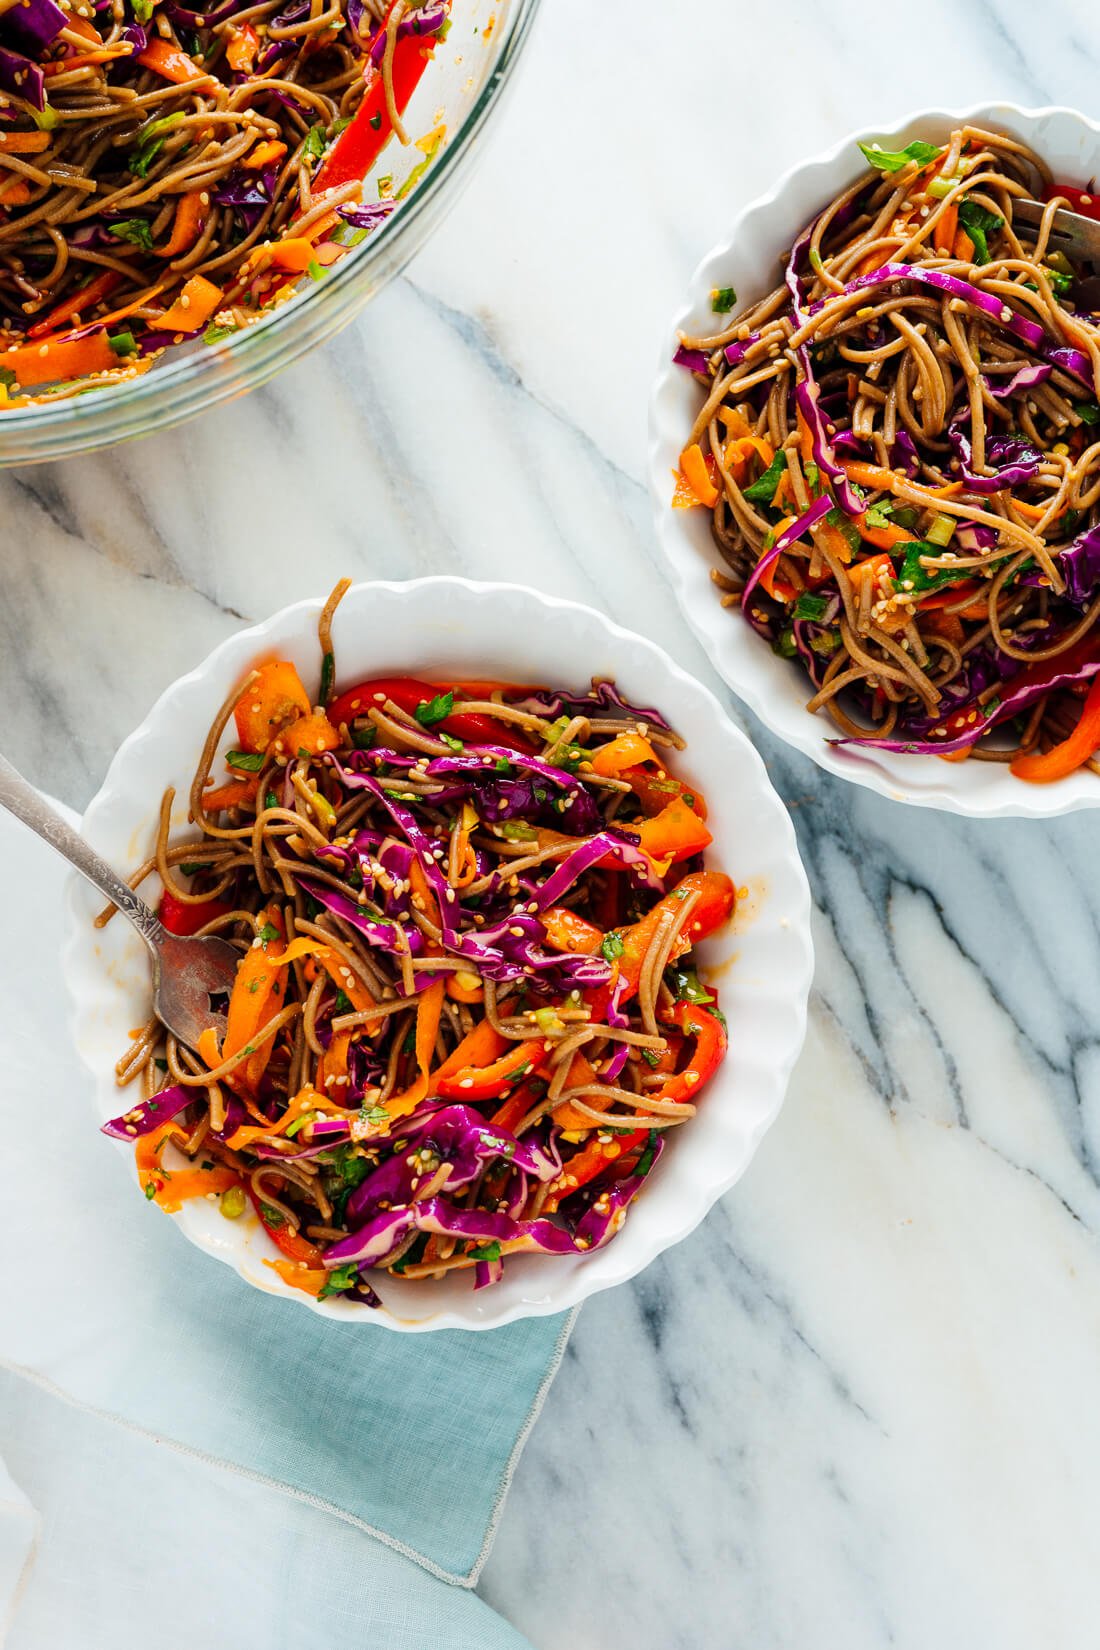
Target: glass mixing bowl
464, 83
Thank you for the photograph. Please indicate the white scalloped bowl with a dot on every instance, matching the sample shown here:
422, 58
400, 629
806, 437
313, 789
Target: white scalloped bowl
763, 962
748, 259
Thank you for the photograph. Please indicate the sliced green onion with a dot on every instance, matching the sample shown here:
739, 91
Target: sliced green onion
941, 531
811, 607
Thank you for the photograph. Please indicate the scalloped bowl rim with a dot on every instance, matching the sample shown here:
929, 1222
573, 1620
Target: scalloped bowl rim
776, 695
776, 939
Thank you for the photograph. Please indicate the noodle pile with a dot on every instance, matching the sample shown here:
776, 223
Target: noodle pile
898, 448
154, 157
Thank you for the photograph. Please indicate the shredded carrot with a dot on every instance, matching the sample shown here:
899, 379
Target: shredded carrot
694, 468
295, 254
736, 422
964, 246
428, 1011
299, 1276
625, 751
265, 154
15, 193
240, 54
872, 475
24, 143
805, 440
464, 993
944, 238
232, 794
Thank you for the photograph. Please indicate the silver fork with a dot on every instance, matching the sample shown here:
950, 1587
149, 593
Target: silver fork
1072, 234
187, 971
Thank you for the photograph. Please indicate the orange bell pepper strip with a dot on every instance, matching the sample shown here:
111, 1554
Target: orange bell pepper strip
274, 700
181, 917
977, 609
717, 899
428, 1011
255, 1000
80, 303
312, 734
872, 567
24, 143
294, 254
193, 308
581, 1070
461, 993
736, 422
1042, 767
514, 1108
172, 1187
15, 193
188, 224
309, 1279
624, 751
693, 468
170, 62
490, 1082
674, 834
235, 793
566, 931
242, 44
60, 359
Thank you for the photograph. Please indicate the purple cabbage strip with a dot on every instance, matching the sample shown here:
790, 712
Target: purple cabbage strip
1011, 704
1012, 458
697, 360
807, 391
1025, 379
1080, 566
33, 25
149, 1114
382, 935
819, 508
590, 853
604, 698
368, 216
22, 78
426, 21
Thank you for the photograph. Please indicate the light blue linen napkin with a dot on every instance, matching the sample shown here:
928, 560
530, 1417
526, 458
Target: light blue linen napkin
411, 1439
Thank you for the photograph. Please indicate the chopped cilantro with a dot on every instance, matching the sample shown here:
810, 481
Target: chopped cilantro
343, 1003
612, 946
722, 299
762, 490
430, 711
979, 222
485, 1251
328, 677
269, 932
893, 160
138, 231
313, 145
810, 607
364, 735
246, 761
340, 1278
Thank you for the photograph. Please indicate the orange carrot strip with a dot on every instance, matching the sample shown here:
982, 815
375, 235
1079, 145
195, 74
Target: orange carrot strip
188, 223
694, 467
55, 359
24, 143
78, 303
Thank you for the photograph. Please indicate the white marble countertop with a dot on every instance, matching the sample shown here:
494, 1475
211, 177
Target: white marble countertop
858, 1407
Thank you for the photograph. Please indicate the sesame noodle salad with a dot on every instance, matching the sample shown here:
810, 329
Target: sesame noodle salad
466, 1011
899, 449
168, 174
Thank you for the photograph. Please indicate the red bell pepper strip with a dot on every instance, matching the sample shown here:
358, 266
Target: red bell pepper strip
709, 1051
715, 905
360, 144
1083, 201
284, 1237
408, 693
593, 1159
655, 793
1040, 767
490, 1082
181, 918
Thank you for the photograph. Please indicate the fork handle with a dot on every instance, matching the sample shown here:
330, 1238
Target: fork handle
22, 800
